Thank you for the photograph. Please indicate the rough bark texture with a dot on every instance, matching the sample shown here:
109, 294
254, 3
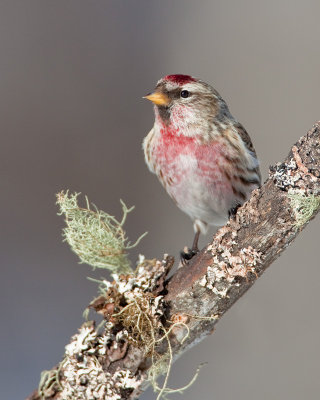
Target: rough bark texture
199, 293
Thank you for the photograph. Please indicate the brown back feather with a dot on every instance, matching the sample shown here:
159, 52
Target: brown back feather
245, 137
247, 141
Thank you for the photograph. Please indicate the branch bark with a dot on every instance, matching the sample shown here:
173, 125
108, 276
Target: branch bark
197, 295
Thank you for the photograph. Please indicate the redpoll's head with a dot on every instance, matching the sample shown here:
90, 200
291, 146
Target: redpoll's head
188, 105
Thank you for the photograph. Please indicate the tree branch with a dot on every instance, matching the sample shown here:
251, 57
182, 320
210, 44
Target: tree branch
183, 310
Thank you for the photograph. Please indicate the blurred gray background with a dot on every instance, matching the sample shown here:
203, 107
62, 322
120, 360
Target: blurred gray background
72, 74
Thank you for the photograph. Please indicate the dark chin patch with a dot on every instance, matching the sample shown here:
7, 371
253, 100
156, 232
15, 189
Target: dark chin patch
164, 113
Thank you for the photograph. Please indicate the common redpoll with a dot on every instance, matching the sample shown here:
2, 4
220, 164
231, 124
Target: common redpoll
201, 154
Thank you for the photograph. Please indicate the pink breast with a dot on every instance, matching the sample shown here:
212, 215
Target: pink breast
172, 150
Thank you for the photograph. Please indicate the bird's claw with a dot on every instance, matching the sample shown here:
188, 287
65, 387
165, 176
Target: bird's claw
233, 211
186, 254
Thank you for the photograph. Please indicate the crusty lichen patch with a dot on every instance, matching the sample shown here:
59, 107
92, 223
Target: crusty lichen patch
133, 302
298, 181
292, 174
292, 177
83, 375
285, 175
227, 267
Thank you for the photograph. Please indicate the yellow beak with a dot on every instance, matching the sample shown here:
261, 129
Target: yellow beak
158, 98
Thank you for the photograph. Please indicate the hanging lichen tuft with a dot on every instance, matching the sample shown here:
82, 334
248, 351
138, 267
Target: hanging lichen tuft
95, 236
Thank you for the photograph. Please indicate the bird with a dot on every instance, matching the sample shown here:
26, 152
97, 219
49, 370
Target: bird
202, 155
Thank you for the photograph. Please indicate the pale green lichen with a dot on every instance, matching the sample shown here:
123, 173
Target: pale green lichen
49, 382
162, 367
95, 236
304, 206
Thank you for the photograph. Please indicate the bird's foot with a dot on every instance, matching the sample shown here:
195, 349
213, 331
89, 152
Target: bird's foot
186, 254
233, 211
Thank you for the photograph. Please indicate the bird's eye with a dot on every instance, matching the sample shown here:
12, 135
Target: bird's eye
184, 94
